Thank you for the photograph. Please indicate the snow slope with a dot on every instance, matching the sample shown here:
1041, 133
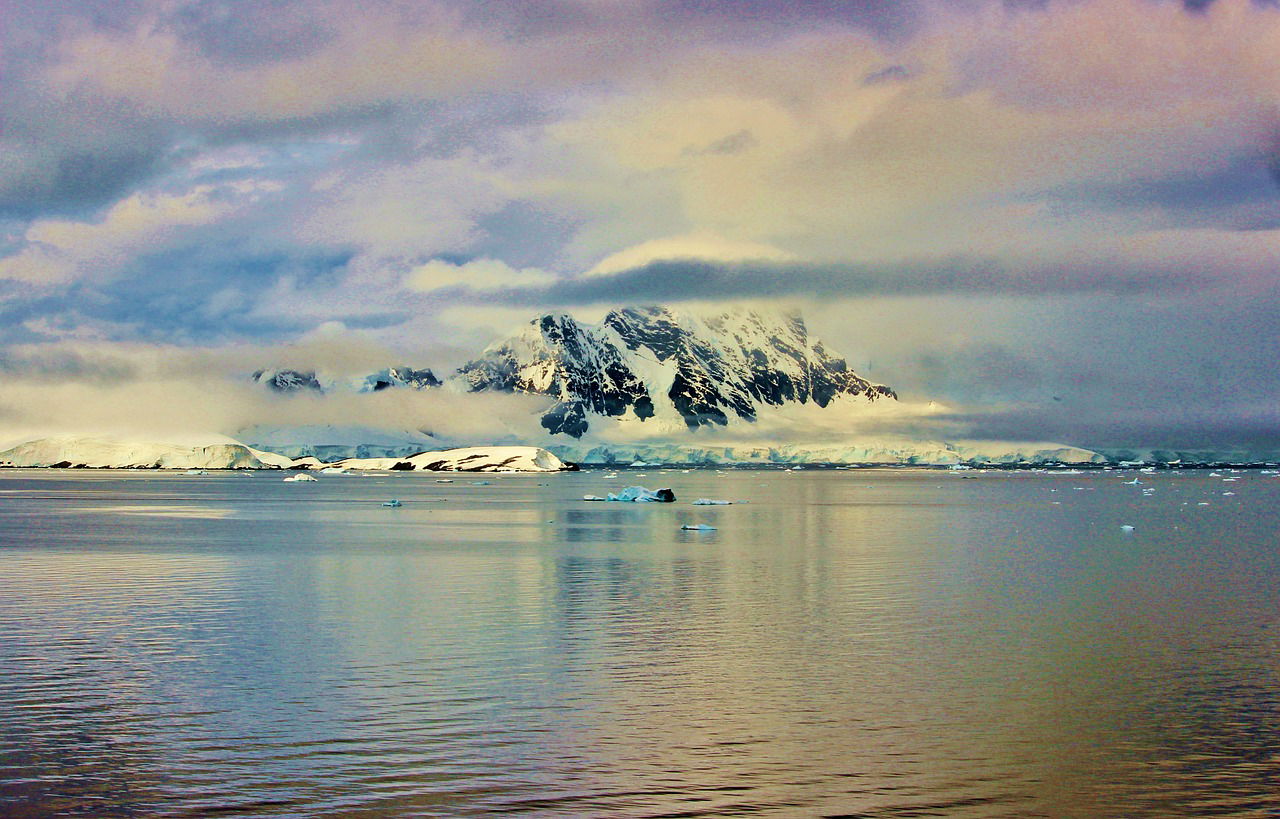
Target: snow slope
102, 452
468, 459
215, 453
683, 370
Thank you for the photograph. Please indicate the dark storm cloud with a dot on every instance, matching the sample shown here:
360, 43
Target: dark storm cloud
692, 279
1190, 373
67, 148
718, 19
64, 155
48, 178
1251, 432
1243, 194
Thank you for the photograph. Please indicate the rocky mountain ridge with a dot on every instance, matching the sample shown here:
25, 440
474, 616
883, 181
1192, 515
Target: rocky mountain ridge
638, 363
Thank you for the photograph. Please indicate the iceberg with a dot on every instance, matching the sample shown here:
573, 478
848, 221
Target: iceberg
698, 527
711, 502
641, 494
299, 478
393, 503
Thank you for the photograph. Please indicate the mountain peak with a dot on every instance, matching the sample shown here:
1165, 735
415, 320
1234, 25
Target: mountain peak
639, 362
311, 381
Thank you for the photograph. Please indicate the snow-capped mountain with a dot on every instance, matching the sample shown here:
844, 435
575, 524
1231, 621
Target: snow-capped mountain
645, 383
302, 381
653, 363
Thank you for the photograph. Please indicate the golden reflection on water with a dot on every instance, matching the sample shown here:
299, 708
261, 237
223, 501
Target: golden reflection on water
879, 643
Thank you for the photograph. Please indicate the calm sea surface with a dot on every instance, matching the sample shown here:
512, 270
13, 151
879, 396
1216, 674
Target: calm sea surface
867, 642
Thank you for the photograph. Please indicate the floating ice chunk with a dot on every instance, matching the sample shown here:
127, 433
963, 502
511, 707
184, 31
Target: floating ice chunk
1133, 482
593, 498
1126, 528
195, 472
711, 502
301, 477
1225, 494
393, 503
640, 494
334, 470
479, 483
698, 527
444, 480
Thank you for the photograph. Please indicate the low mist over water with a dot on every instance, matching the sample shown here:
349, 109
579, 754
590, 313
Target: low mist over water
870, 642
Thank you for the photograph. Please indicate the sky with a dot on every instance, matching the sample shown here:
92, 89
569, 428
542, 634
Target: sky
1061, 218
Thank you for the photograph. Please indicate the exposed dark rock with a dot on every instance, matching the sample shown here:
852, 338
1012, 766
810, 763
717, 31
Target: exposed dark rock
288, 381
725, 367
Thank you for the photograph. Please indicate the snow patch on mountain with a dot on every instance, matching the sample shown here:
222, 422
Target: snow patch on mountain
683, 370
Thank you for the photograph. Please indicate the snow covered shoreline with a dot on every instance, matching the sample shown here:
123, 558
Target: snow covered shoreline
217, 452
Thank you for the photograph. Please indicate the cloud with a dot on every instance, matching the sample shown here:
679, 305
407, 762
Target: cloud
477, 275
990, 121
236, 171
699, 279
356, 57
701, 246
59, 250
157, 390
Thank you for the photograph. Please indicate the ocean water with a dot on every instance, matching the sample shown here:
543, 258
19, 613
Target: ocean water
877, 643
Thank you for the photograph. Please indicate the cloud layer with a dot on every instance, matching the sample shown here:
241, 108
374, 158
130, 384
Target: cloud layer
221, 174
